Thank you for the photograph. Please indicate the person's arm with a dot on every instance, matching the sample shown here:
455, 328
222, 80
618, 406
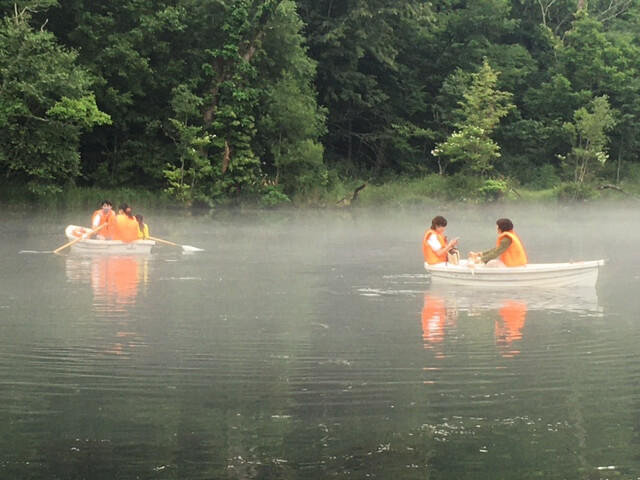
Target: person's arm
497, 251
437, 248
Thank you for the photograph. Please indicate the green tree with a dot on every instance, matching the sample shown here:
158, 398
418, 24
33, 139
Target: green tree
191, 140
601, 63
368, 53
590, 140
128, 45
466, 33
46, 103
290, 120
483, 106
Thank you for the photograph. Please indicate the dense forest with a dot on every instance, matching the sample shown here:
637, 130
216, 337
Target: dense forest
213, 100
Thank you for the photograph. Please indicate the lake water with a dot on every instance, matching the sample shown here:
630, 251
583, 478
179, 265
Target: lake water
310, 345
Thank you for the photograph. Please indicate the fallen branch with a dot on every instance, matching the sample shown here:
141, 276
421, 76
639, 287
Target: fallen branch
516, 192
617, 189
346, 201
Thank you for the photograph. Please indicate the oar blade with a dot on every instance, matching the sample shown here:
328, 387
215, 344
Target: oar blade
189, 248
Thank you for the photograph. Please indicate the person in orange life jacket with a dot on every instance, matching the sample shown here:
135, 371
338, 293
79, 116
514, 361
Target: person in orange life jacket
107, 216
434, 244
508, 251
126, 225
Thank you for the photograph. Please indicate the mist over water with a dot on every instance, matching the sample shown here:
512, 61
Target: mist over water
311, 345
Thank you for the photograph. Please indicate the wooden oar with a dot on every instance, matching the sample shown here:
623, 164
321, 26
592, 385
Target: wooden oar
186, 248
82, 237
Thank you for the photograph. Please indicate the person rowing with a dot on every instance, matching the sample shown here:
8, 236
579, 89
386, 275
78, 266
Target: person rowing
104, 216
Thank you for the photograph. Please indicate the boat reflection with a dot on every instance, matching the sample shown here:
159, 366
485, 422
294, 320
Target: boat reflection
443, 309
115, 281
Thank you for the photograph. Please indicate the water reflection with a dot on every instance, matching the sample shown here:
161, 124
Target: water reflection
115, 281
443, 310
436, 314
508, 327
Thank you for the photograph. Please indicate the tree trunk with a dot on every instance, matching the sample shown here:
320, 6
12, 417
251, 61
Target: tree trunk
226, 158
619, 162
349, 144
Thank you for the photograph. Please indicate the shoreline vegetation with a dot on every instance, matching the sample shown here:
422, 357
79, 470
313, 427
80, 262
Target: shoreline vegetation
397, 193
298, 103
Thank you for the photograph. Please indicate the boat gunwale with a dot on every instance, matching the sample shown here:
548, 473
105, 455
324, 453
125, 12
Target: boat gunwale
514, 271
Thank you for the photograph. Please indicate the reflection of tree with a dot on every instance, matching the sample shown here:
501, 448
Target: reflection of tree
508, 327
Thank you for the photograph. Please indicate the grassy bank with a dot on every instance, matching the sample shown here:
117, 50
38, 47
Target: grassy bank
400, 192
437, 189
82, 198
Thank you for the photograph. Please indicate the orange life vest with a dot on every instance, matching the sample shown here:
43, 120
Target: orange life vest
98, 218
126, 228
514, 256
429, 255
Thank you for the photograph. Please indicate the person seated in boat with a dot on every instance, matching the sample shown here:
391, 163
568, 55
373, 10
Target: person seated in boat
104, 216
508, 251
143, 228
126, 225
435, 245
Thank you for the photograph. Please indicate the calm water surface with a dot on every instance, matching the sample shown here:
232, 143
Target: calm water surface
311, 346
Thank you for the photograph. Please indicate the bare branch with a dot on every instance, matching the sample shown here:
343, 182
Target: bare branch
615, 9
545, 10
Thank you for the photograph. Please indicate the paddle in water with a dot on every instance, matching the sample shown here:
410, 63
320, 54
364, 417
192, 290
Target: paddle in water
186, 248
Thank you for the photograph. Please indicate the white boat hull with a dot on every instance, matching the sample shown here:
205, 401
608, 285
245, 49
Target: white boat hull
116, 247
583, 274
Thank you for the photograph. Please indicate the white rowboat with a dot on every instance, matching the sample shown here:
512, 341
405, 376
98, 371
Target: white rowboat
117, 247
583, 274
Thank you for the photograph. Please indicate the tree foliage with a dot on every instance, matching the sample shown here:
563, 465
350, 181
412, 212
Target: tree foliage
589, 134
481, 109
46, 103
216, 100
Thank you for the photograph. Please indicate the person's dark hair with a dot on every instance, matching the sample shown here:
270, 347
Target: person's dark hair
139, 218
126, 209
438, 222
106, 202
504, 224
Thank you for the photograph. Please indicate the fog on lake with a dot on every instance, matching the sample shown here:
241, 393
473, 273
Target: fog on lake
311, 345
